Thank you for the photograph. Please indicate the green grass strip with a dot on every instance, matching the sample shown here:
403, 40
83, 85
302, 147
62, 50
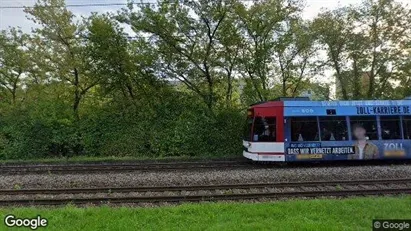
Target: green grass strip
318, 214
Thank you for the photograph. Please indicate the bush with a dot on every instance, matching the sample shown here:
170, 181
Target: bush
173, 126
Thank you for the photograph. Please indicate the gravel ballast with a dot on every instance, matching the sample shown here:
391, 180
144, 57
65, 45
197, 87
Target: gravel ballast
201, 177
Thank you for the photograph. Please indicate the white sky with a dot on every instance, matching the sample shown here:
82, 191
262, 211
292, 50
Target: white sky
16, 17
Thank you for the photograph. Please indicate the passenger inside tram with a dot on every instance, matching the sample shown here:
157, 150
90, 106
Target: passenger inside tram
264, 129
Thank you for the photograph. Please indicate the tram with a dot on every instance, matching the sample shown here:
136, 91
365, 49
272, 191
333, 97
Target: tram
297, 129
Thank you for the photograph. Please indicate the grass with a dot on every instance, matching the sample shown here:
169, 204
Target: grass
318, 214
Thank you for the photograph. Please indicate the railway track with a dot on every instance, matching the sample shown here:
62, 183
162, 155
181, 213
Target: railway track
201, 187
90, 168
288, 190
70, 168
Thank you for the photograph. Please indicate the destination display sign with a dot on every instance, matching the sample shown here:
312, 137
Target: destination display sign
341, 108
355, 110
383, 110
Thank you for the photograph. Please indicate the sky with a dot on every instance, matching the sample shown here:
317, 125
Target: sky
16, 17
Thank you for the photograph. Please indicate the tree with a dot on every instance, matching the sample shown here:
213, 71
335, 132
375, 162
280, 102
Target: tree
266, 30
14, 61
294, 55
333, 28
108, 54
188, 37
122, 64
61, 43
366, 46
228, 56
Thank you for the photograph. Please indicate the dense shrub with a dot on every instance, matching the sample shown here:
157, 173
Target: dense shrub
173, 126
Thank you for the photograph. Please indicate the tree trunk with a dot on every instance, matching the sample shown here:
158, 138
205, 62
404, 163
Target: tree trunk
357, 83
77, 95
284, 94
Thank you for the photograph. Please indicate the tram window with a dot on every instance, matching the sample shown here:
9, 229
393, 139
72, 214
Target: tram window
304, 129
333, 128
369, 123
406, 124
390, 127
247, 128
264, 129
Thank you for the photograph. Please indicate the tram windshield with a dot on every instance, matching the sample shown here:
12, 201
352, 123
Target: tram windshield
247, 129
264, 129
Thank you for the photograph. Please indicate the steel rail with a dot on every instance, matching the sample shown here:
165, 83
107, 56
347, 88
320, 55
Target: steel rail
197, 198
124, 164
118, 168
202, 187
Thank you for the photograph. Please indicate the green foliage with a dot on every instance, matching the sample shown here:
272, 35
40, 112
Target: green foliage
43, 131
179, 84
174, 127
368, 48
14, 62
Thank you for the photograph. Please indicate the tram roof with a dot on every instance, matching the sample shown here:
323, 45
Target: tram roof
339, 103
347, 103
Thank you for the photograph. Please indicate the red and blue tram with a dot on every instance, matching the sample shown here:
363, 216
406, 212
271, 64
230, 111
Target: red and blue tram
296, 129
